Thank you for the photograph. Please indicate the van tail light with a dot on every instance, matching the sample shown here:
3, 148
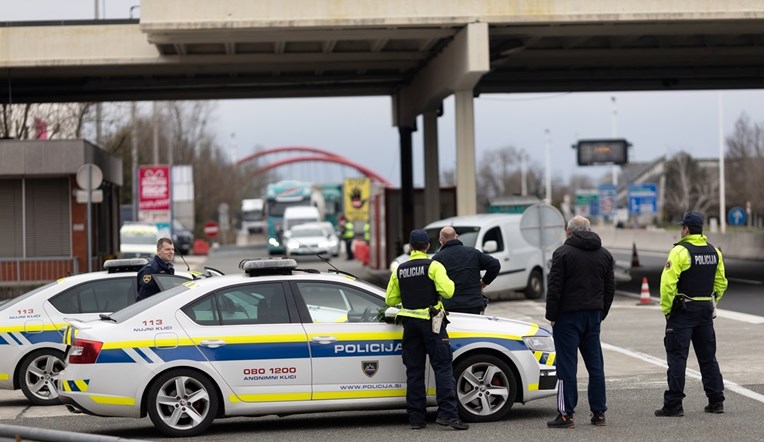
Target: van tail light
84, 351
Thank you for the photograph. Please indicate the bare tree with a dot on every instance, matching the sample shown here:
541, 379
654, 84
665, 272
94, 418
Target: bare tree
689, 187
57, 120
744, 166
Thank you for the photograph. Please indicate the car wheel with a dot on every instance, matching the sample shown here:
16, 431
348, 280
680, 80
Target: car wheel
535, 286
38, 376
182, 402
486, 388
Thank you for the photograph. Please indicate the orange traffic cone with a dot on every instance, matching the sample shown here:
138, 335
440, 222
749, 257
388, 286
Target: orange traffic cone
635, 259
645, 295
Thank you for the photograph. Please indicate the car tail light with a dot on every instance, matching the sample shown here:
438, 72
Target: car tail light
84, 351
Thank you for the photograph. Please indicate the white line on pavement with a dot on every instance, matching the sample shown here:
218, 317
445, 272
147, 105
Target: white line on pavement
732, 386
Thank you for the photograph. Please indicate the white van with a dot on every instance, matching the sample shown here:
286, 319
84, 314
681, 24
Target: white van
296, 215
499, 235
138, 240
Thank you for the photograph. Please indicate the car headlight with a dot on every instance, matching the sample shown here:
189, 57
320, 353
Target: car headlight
274, 242
539, 343
292, 245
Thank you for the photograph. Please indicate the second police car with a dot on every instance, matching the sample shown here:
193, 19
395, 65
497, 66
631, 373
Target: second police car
275, 340
31, 325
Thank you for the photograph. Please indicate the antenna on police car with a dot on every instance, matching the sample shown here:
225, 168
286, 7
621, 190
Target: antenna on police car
188, 268
324, 259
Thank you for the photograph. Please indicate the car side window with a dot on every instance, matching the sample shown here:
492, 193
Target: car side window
108, 295
66, 301
494, 234
243, 305
339, 303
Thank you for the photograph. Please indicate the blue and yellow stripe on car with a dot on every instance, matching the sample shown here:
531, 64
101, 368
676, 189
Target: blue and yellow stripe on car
30, 334
76, 385
545, 358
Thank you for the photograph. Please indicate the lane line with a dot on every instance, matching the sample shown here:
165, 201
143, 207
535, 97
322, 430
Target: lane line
721, 313
732, 386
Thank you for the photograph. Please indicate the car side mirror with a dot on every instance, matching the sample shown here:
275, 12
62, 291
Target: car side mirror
490, 246
287, 234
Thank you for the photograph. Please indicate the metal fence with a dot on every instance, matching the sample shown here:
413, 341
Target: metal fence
37, 269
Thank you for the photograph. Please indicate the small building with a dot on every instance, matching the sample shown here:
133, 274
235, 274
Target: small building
43, 228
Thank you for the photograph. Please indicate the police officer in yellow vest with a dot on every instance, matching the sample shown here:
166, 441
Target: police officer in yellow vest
418, 285
692, 283
348, 234
366, 232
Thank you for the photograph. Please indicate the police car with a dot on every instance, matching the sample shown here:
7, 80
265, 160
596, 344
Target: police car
277, 340
31, 325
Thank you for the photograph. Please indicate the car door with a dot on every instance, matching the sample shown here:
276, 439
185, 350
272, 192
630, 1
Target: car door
246, 334
354, 353
512, 270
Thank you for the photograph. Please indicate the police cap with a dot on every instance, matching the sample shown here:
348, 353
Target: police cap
693, 220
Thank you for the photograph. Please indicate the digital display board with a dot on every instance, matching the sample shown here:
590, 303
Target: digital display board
591, 152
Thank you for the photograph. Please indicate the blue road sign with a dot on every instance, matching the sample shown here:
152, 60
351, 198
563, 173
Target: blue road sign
642, 198
737, 216
607, 194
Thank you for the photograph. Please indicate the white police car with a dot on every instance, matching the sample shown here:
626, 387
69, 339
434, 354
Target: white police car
31, 325
280, 341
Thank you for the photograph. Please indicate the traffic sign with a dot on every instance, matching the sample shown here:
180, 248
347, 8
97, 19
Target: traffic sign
736, 216
211, 229
642, 198
542, 225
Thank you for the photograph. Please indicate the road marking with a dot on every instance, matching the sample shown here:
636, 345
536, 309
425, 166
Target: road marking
732, 386
721, 313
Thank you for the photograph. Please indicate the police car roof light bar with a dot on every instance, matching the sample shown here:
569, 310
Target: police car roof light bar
124, 265
268, 266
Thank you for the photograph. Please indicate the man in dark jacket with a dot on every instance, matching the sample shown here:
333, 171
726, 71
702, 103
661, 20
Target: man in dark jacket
161, 264
464, 265
580, 291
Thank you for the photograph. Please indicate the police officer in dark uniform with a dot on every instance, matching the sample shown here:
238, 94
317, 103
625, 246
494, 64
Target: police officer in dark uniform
161, 264
692, 283
418, 285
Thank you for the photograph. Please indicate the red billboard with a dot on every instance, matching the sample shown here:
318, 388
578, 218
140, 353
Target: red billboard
154, 193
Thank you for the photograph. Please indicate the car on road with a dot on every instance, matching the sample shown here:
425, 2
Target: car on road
310, 239
183, 239
277, 340
31, 325
499, 235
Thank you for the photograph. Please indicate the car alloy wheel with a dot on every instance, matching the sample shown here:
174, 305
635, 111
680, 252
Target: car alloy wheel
486, 388
182, 402
39, 376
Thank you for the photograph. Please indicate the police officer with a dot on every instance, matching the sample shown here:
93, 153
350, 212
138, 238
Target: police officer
417, 285
348, 234
161, 264
692, 283
367, 232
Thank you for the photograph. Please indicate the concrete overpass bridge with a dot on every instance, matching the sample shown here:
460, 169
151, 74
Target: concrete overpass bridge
416, 52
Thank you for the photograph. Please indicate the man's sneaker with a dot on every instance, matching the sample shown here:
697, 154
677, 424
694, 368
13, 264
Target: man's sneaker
669, 412
598, 418
561, 422
455, 423
419, 426
714, 407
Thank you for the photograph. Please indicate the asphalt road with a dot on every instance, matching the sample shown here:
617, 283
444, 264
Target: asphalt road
636, 378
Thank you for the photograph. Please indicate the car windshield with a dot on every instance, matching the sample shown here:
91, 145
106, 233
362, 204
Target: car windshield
138, 238
305, 233
468, 235
134, 309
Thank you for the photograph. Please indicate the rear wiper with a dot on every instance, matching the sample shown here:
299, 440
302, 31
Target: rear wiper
106, 317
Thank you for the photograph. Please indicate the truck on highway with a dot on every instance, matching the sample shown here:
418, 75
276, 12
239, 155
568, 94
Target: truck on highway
253, 215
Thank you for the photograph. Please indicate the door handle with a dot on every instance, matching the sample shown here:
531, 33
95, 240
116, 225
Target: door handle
213, 343
324, 339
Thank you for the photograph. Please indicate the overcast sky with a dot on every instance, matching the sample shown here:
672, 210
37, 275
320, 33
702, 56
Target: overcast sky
656, 123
